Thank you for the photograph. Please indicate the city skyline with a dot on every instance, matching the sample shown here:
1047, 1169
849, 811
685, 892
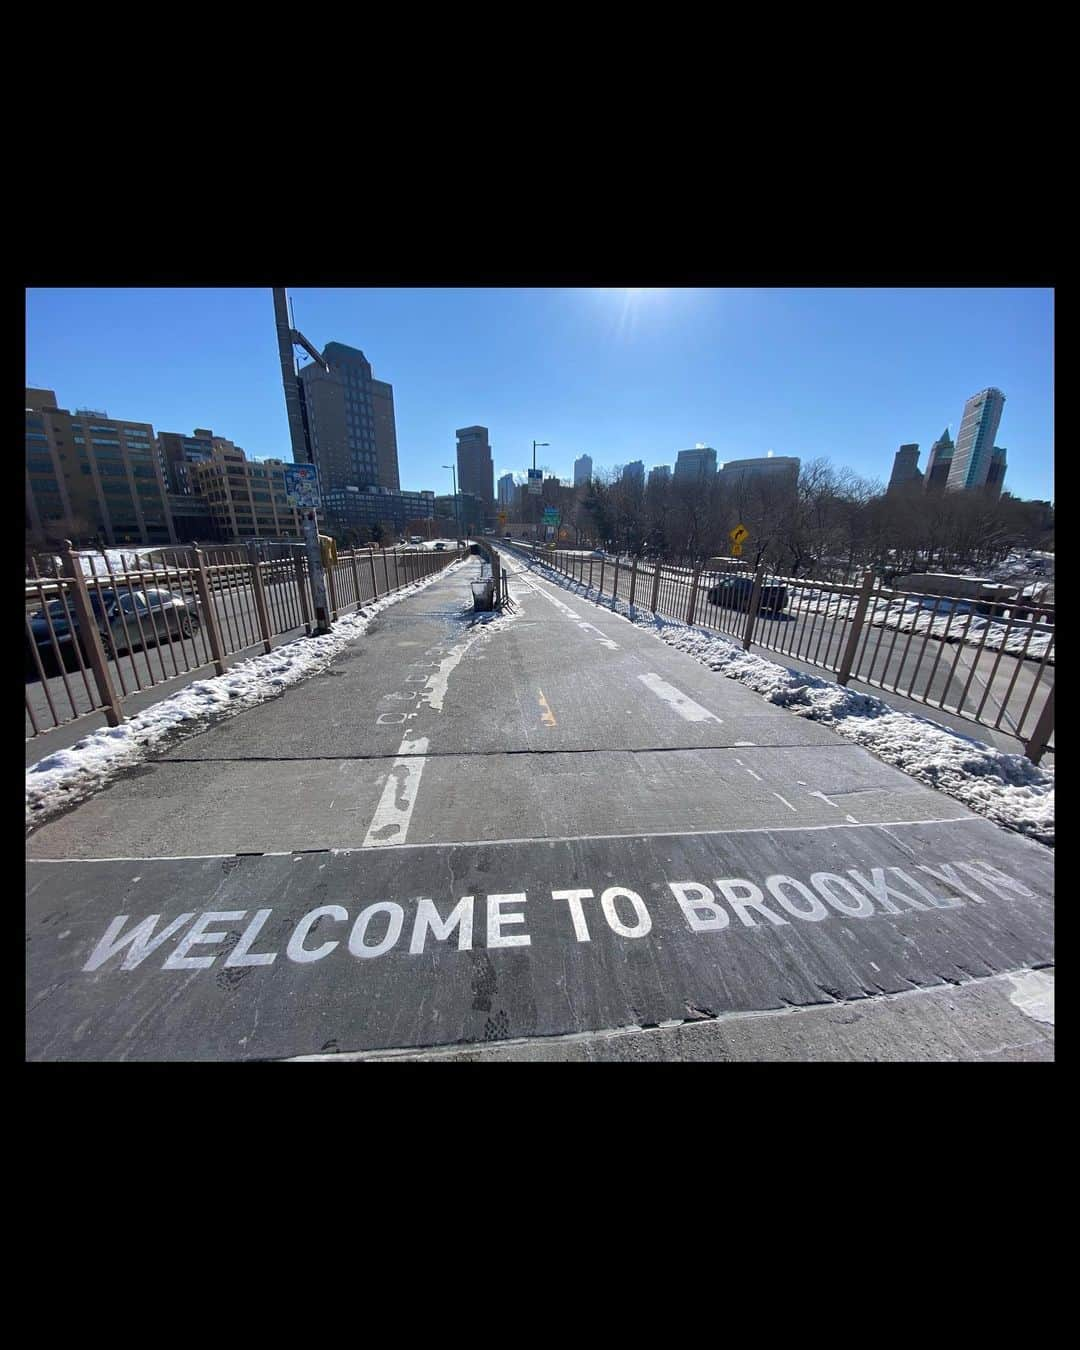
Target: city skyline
846, 374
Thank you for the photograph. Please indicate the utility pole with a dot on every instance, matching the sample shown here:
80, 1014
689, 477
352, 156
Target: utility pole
536, 507
289, 337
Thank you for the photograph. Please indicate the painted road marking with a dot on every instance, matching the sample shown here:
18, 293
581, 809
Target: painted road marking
604, 641
829, 800
573, 614
683, 705
548, 717
786, 803
748, 770
390, 823
823, 895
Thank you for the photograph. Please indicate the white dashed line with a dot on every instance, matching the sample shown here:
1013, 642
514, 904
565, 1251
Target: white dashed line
786, 803
683, 705
390, 824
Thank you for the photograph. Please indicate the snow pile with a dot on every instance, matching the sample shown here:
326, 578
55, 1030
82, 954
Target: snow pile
1006, 788
67, 776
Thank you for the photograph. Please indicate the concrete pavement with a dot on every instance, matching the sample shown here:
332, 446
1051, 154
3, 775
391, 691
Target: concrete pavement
546, 825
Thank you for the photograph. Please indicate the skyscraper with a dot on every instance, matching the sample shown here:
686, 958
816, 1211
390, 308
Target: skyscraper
695, 466
660, 474
906, 471
475, 467
995, 479
506, 490
939, 463
582, 470
737, 473
350, 421
633, 475
975, 440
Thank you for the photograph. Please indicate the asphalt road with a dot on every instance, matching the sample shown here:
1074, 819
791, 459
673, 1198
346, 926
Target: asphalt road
988, 687
545, 826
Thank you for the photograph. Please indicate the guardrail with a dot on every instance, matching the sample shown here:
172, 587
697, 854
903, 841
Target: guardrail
94, 641
990, 663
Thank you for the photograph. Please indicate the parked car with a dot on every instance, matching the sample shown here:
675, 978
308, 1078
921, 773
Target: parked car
598, 553
734, 593
124, 618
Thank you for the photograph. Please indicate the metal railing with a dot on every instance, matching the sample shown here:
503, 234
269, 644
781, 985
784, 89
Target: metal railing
93, 641
989, 662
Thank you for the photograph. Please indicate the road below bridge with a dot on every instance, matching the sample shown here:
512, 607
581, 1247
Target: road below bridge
541, 825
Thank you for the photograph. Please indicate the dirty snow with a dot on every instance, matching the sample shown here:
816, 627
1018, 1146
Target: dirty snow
1006, 788
67, 776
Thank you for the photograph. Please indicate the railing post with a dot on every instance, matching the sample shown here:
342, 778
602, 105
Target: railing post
333, 590
655, 587
260, 596
356, 576
301, 585
1044, 729
603, 562
633, 580
843, 674
374, 580
615, 584
386, 572
210, 618
755, 605
692, 604
88, 630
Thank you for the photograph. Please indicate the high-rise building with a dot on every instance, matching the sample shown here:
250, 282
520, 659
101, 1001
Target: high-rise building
178, 452
583, 470
695, 466
90, 477
372, 505
475, 467
660, 474
905, 471
506, 490
996, 477
939, 463
246, 498
349, 417
633, 475
975, 440
737, 473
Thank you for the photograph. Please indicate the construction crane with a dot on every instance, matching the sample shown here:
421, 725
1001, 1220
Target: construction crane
288, 338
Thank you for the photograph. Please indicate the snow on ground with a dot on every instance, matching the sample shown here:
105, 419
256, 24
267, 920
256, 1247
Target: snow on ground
67, 776
1006, 788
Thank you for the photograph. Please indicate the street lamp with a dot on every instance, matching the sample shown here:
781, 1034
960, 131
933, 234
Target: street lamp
457, 505
536, 526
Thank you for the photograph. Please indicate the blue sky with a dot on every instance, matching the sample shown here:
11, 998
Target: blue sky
618, 373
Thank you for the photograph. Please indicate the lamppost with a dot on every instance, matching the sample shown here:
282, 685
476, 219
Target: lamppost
536, 527
457, 505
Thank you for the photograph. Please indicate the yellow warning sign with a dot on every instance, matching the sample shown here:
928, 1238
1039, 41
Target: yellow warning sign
736, 550
739, 535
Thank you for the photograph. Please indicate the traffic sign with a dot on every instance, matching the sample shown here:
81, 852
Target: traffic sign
502, 517
536, 481
739, 535
736, 550
302, 486
551, 515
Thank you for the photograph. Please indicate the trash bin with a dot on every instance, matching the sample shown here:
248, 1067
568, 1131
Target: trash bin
483, 594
